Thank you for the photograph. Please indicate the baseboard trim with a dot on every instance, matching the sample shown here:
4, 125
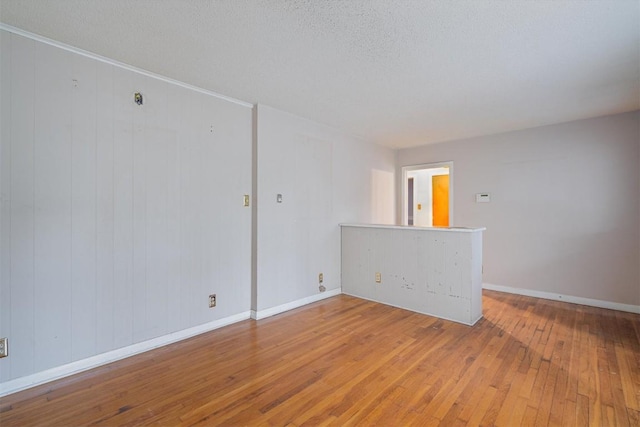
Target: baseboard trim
566, 298
450, 319
58, 372
261, 314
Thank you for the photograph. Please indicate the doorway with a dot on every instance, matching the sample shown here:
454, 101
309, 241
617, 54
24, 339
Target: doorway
427, 196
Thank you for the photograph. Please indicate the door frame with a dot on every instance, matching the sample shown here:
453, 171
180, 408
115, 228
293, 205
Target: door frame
411, 168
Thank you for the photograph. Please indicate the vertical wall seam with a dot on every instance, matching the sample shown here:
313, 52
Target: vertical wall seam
9, 285
112, 285
95, 211
145, 216
131, 272
71, 164
33, 206
181, 320
165, 320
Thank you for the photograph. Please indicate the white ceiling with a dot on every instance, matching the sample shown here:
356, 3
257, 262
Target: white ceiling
397, 72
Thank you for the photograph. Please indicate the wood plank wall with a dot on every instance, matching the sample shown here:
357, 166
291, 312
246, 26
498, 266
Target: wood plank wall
117, 220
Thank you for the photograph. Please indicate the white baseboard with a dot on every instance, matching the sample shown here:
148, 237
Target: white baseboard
566, 298
68, 369
461, 322
261, 314
58, 372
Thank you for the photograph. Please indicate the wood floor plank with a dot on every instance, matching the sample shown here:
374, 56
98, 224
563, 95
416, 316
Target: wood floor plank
582, 410
480, 410
475, 397
570, 413
346, 361
629, 388
544, 407
504, 414
517, 415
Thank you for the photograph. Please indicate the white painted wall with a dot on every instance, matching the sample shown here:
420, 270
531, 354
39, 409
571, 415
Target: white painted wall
117, 221
564, 215
382, 189
325, 178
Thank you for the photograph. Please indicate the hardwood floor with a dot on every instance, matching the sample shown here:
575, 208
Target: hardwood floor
346, 361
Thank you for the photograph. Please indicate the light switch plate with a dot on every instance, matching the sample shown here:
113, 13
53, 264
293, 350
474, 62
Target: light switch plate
483, 197
4, 347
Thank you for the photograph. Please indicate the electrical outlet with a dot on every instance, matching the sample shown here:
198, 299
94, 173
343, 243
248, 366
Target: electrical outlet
246, 200
378, 278
4, 347
322, 288
212, 300
320, 278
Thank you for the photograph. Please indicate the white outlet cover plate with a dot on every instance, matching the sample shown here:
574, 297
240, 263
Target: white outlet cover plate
483, 197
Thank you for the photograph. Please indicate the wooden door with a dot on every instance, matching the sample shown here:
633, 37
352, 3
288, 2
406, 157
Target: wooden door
440, 205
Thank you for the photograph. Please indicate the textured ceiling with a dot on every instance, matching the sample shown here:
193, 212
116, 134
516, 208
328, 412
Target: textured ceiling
397, 72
